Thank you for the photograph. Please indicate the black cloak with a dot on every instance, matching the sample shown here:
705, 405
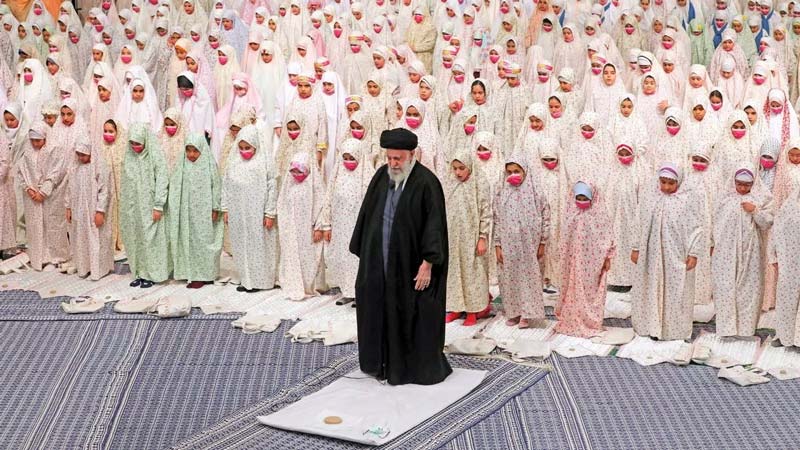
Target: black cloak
401, 330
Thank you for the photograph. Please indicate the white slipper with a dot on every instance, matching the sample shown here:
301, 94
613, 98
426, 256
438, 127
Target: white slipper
742, 376
169, 307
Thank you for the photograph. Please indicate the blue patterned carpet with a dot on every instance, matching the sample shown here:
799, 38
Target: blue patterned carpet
140, 383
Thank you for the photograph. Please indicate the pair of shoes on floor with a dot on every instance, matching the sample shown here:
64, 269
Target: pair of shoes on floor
244, 289
142, 283
197, 284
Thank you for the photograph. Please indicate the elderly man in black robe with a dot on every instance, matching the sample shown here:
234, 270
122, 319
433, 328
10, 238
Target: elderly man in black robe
401, 240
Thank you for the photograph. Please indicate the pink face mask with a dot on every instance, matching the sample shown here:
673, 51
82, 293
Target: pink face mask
316, 24
700, 167
171, 130
494, 58
625, 160
447, 64
377, 29
413, 122
484, 155
153, 2
74, 39
673, 129
555, 114
300, 177
350, 165
459, 78
28, 77
587, 134
99, 28
214, 45
107, 41
543, 78
126, 58
337, 32
222, 60
132, 35
418, 18
106, 5
767, 163
37, 11
109, 138
246, 154
716, 106
550, 165
469, 128
504, 9
328, 90
596, 70
758, 79
667, 45
738, 133
645, 69
514, 179
547, 27
358, 134
477, 42
293, 135
138, 148
196, 37
776, 109
187, 92
355, 48
583, 204
293, 81
720, 23
629, 30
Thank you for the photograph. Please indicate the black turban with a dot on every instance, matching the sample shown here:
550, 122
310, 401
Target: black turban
398, 139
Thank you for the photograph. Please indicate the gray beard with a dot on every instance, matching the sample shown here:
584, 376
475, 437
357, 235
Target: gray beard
400, 177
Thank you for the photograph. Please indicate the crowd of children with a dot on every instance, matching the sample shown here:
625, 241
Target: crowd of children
650, 146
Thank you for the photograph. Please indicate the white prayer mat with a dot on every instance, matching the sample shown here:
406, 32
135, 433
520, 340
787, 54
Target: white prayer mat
573, 347
729, 351
331, 323
505, 335
360, 409
455, 330
782, 363
647, 352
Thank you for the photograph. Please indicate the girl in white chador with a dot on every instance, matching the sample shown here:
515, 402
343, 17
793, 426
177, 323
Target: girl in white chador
301, 227
743, 213
88, 199
249, 199
348, 183
665, 255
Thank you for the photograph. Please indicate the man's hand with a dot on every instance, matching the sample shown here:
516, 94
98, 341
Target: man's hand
480, 249
635, 256
99, 219
498, 252
691, 263
606, 265
540, 252
225, 217
317, 236
269, 222
69, 215
748, 207
214, 216
423, 277
326, 235
156, 215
